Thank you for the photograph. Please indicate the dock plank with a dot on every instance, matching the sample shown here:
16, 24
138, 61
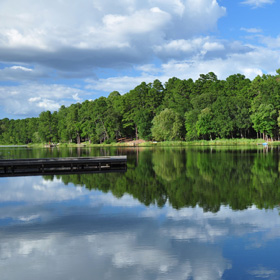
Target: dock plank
38, 166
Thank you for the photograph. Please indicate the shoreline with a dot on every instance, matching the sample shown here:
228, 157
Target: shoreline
137, 143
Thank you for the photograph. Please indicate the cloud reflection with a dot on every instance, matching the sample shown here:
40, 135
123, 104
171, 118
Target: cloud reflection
69, 232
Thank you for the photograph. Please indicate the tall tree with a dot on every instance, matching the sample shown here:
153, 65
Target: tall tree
167, 125
48, 127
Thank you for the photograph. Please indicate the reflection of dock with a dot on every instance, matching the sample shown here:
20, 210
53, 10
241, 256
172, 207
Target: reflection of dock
53, 166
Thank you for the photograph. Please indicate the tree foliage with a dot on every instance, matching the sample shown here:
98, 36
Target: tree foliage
167, 125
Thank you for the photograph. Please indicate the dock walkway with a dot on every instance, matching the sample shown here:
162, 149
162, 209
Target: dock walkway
46, 166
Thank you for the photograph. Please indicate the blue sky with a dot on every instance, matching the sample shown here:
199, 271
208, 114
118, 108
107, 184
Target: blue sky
60, 52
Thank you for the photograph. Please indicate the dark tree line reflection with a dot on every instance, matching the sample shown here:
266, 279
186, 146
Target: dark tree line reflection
189, 177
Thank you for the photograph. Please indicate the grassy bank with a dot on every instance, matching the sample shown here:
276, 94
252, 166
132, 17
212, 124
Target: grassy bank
217, 142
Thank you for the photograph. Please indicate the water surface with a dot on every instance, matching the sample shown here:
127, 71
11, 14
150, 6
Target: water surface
196, 213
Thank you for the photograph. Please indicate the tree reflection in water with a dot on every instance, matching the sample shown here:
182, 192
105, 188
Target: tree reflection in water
206, 177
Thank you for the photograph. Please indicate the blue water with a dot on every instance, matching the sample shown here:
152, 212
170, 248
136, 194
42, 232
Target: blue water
50, 230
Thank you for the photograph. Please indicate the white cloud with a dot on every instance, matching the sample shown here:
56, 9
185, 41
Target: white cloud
109, 199
213, 46
17, 39
34, 99
272, 43
121, 84
142, 21
47, 104
263, 272
187, 46
21, 68
251, 30
202, 233
257, 3
76, 97
148, 69
20, 73
124, 254
36, 189
31, 99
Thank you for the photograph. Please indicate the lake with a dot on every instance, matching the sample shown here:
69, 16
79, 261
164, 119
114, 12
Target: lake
194, 213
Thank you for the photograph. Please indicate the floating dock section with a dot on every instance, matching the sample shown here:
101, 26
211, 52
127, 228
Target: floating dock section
57, 166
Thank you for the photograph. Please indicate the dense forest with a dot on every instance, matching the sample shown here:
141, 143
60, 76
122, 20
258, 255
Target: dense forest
207, 108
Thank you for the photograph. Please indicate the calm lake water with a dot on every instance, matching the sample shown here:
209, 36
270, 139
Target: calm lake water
196, 213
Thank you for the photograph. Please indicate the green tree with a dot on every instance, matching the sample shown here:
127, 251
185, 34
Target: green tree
64, 134
73, 124
204, 124
167, 125
191, 118
177, 95
47, 128
265, 120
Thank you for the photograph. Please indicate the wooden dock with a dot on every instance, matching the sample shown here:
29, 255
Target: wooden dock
55, 166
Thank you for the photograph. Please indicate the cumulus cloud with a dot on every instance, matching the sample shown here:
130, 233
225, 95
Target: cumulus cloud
40, 34
193, 48
45, 41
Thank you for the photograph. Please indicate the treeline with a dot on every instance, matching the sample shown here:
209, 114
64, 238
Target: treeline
178, 110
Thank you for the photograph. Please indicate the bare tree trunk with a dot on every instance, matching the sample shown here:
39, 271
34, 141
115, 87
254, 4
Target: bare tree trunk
78, 138
106, 133
136, 132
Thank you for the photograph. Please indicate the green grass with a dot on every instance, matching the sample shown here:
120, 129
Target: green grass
217, 142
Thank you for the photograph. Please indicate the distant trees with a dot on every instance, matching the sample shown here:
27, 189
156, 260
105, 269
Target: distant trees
207, 108
19, 131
